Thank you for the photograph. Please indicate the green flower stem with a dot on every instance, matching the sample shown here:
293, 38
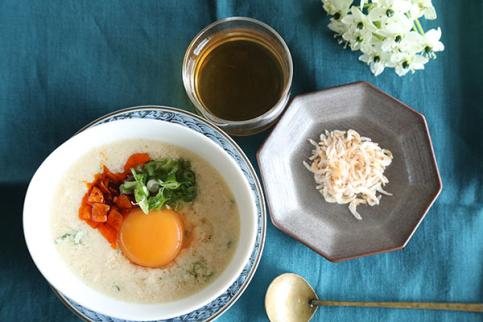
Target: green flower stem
368, 6
419, 28
380, 37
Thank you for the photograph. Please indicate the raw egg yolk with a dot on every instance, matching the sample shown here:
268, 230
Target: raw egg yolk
153, 239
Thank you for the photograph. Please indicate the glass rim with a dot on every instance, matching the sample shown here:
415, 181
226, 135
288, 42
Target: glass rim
286, 90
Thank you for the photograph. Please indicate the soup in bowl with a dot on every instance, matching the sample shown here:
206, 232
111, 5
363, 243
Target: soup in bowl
140, 219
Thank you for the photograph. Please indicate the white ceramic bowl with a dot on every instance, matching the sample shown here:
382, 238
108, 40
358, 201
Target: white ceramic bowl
37, 207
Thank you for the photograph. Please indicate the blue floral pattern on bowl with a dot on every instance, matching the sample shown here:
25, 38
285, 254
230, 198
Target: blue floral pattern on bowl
172, 115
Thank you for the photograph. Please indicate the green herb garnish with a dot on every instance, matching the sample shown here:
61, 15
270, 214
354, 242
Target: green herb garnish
75, 237
63, 237
159, 183
199, 270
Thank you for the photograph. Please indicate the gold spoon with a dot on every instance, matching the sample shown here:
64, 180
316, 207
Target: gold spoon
290, 298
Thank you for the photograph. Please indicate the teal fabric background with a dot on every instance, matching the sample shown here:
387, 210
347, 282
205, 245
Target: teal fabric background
64, 63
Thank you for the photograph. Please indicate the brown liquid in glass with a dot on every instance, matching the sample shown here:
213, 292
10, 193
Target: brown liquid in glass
239, 79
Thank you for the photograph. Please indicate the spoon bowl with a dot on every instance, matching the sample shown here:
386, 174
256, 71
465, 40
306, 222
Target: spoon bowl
289, 298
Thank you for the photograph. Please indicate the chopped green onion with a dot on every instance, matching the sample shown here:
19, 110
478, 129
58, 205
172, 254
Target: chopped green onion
153, 185
159, 183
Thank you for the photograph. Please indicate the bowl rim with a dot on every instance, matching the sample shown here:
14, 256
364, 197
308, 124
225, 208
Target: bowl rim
421, 118
260, 220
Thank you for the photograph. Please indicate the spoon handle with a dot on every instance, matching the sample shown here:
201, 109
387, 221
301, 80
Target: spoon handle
467, 307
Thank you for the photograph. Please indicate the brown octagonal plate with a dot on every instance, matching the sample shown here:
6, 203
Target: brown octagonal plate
300, 211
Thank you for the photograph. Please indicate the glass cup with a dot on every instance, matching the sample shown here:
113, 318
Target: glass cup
220, 31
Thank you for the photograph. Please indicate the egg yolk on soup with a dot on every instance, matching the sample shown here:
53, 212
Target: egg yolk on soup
153, 239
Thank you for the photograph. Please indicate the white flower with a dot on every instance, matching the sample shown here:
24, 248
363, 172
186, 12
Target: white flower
414, 12
358, 40
391, 43
387, 32
426, 8
337, 26
371, 45
340, 7
397, 24
412, 43
405, 62
402, 6
376, 62
430, 41
356, 19
360, 28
